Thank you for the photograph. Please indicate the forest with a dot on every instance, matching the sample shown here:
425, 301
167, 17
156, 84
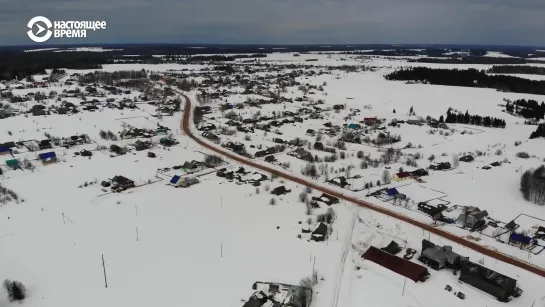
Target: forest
517, 69
526, 108
472, 60
532, 185
468, 78
22, 64
477, 120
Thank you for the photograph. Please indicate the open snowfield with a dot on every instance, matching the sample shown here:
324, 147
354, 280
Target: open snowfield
207, 244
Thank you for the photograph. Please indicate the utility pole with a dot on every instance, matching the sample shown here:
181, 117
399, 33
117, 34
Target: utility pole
136, 234
104, 267
404, 286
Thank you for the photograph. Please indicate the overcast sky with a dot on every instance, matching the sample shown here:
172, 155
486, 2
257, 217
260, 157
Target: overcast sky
493, 22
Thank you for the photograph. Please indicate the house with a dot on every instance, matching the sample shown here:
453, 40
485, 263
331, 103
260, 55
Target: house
122, 182
311, 132
191, 165
430, 210
419, 173
258, 299
278, 140
495, 164
139, 145
86, 153
392, 248
207, 127
489, 281
327, 199
468, 158
438, 257
210, 136
5, 151
370, 120
318, 146
45, 144
339, 181
396, 264
281, 190
472, 218
238, 148
354, 126
174, 180
319, 232
401, 176
520, 240
48, 157
280, 295
167, 142
441, 166
187, 181
270, 159
415, 122
392, 192
12, 163
302, 154
116, 149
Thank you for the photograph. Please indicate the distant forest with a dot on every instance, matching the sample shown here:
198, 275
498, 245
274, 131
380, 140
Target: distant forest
468, 78
526, 108
473, 60
517, 69
23, 64
477, 120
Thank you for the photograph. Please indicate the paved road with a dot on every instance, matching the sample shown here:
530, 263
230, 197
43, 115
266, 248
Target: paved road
439, 232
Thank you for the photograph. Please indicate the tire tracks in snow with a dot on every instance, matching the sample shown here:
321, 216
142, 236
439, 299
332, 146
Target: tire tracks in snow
346, 252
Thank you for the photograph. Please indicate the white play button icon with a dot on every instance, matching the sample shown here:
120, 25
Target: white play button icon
40, 29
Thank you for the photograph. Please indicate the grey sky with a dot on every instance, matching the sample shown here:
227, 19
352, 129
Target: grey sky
499, 22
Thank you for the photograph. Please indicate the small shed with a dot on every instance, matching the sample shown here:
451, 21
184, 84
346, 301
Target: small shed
12, 163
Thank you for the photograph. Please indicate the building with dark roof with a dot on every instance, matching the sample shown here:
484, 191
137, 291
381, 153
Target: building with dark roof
489, 281
396, 264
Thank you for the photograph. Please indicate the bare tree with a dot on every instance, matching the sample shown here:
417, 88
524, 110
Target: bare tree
386, 177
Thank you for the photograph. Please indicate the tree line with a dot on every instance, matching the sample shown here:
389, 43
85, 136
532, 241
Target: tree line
477, 120
468, 78
108, 78
526, 108
532, 185
539, 132
517, 69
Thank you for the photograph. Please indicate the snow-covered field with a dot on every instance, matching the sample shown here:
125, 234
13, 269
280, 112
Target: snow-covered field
207, 244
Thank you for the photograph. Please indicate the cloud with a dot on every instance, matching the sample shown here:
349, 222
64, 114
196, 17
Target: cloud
289, 21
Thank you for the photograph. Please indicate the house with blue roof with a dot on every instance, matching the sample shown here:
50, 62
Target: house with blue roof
520, 240
175, 179
392, 192
354, 126
48, 157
